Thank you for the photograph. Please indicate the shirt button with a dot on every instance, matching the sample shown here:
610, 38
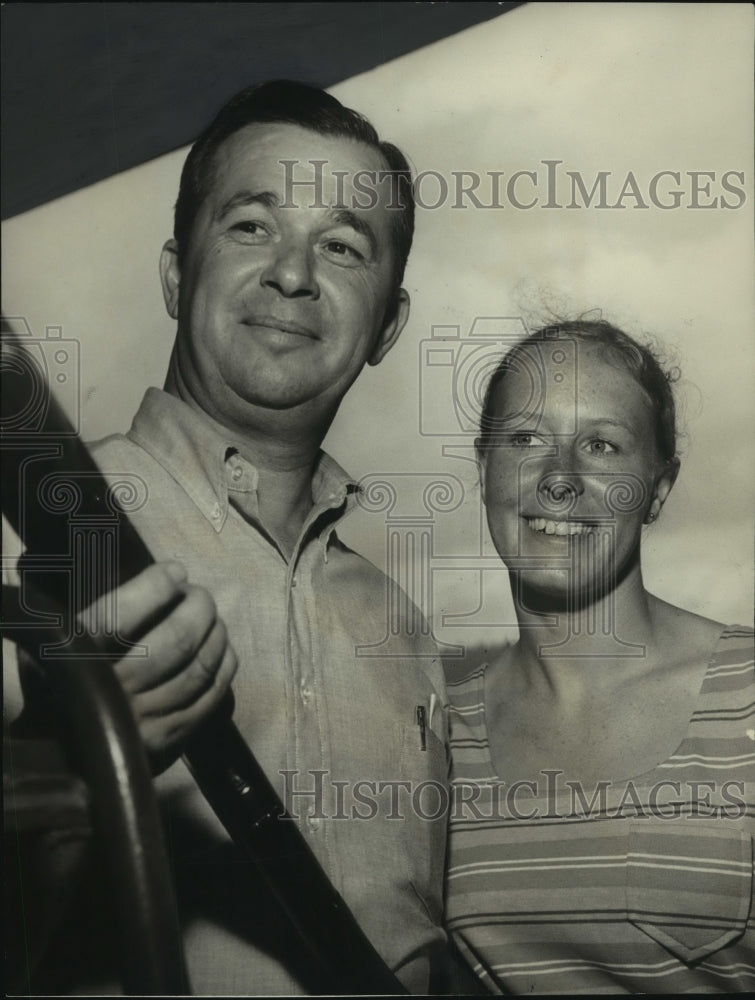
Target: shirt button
313, 822
306, 693
237, 473
293, 582
216, 512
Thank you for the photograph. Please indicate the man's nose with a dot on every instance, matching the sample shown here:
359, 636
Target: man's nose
290, 270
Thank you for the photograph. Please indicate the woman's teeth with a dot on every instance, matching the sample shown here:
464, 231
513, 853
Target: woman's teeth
559, 527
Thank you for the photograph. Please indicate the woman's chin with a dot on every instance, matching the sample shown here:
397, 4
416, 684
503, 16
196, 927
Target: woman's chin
557, 591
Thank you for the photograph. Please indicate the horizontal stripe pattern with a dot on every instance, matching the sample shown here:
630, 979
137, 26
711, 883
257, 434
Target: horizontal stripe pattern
645, 888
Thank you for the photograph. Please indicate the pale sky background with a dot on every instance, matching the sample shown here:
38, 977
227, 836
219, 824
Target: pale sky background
602, 87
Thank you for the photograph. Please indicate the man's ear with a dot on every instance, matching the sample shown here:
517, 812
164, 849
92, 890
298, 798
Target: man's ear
170, 277
395, 323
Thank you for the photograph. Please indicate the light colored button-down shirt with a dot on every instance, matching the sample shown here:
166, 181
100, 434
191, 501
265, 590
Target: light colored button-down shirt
333, 668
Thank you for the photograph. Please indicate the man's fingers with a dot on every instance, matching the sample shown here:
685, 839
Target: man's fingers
185, 686
162, 732
136, 603
171, 644
184, 663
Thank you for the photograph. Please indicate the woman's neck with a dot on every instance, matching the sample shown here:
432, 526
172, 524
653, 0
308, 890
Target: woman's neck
572, 648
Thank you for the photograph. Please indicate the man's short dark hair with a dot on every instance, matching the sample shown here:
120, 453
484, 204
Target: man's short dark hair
288, 102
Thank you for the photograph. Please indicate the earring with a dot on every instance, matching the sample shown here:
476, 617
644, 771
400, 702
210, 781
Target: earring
651, 516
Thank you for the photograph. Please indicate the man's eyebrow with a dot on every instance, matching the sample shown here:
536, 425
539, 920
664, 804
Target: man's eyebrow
241, 198
345, 217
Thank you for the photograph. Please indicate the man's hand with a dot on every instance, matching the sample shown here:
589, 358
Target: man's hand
189, 663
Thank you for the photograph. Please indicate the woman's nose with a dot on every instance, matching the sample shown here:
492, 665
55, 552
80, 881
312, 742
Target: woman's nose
560, 484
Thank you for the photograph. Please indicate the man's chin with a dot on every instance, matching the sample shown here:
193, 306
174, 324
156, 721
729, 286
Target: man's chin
277, 396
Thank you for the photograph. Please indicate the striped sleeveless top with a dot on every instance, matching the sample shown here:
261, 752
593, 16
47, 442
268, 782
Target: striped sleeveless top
638, 886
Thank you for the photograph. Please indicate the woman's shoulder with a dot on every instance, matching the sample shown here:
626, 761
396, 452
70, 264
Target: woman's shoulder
736, 647
468, 671
691, 634
697, 654
462, 679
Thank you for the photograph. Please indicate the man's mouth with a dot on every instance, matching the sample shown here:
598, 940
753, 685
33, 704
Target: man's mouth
283, 325
543, 526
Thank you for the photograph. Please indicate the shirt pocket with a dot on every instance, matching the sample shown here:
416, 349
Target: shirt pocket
426, 816
689, 888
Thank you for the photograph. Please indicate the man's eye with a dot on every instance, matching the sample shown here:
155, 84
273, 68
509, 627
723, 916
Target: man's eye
524, 440
343, 252
249, 227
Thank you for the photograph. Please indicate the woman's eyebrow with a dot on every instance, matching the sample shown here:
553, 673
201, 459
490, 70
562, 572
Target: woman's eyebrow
610, 422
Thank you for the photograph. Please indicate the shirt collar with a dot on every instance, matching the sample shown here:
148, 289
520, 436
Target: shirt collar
196, 451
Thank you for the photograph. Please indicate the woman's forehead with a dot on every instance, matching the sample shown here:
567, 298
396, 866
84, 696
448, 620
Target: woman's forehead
572, 373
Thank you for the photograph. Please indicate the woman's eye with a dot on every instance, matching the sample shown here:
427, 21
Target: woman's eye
599, 446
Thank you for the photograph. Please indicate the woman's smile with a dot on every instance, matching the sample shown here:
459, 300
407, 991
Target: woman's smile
541, 525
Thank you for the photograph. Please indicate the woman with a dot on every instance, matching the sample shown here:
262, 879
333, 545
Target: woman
601, 837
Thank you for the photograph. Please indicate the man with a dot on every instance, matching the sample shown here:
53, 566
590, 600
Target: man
284, 277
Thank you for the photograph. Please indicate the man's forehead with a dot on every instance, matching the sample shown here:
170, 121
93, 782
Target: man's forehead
285, 148
292, 166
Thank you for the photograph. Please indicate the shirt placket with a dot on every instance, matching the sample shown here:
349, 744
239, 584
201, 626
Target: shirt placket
312, 749
308, 750
304, 671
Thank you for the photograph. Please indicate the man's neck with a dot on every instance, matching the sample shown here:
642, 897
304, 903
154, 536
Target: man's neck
284, 448
285, 500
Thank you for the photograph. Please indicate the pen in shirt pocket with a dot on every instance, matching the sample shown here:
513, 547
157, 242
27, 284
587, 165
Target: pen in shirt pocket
422, 723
